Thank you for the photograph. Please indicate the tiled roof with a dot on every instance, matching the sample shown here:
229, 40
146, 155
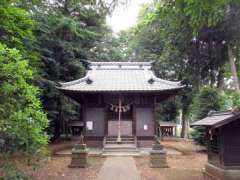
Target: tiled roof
120, 77
217, 119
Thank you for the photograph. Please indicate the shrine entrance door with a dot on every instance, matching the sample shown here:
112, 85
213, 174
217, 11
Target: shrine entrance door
120, 118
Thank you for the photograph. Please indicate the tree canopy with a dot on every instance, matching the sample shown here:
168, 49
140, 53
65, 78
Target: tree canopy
22, 121
191, 41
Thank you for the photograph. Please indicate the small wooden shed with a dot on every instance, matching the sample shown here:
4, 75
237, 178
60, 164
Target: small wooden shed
223, 144
167, 128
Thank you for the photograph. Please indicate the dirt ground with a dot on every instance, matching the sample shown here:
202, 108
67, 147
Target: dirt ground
57, 169
188, 166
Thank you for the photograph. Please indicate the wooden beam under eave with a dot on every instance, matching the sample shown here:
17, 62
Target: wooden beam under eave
76, 96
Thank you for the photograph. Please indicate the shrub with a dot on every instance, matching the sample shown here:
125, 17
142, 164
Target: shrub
22, 121
208, 99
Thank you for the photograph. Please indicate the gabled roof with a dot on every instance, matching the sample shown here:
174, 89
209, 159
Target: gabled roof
120, 77
218, 118
167, 124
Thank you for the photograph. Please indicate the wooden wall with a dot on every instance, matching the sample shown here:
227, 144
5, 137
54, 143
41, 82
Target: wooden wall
126, 128
96, 116
214, 148
224, 146
139, 121
231, 144
144, 121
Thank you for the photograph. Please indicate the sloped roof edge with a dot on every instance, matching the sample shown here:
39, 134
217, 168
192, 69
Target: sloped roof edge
218, 118
120, 76
129, 63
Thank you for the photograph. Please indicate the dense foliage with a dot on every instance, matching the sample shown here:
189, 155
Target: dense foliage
112, 48
22, 121
208, 99
16, 31
70, 33
195, 42
42, 43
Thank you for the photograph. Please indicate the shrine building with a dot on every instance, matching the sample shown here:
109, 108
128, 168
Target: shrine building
118, 101
223, 144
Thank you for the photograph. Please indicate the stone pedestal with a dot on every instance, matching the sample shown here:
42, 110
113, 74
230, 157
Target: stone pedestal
79, 156
158, 156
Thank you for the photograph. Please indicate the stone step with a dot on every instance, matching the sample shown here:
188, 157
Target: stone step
120, 150
123, 137
123, 142
106, 150
120, 146
127, 147
121, 154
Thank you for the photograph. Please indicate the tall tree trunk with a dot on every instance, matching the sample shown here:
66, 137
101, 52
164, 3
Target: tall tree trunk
184, 132
197, 67
65, 7
211, 64
220, 79
233, 69
57, 121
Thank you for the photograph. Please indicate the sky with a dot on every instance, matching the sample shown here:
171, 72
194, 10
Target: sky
124, 17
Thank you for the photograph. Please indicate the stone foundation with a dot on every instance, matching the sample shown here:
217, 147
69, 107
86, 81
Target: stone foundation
145, 143
79, 156
99, 143
215, 173
158, 156
158, 159
94, 143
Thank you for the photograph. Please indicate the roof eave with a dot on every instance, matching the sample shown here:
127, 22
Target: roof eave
120, 91
198, 125
218, 124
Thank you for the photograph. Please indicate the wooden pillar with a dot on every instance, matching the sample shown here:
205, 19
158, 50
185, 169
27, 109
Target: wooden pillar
84, 104
134, 119
106, 119
119, 140
154, 116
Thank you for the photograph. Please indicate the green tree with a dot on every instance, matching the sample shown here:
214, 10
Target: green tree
216, 16
113, 48
189, 41
16, 30
68, 32
22, 121
208, 99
